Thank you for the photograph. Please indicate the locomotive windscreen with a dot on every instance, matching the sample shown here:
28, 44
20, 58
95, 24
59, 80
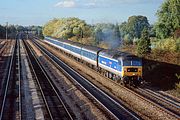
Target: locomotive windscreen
132, 62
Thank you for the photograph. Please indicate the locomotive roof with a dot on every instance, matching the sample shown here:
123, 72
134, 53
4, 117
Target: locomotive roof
115, 54
68, 42
76, 44
91, 48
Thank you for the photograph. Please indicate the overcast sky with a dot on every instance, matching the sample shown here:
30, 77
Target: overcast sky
38, 12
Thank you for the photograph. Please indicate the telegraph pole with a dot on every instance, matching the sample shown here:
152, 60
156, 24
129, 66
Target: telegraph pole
6, 30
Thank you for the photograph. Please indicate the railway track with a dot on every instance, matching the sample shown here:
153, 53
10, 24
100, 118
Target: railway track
116, 109
5, 51
168, 96
169, 104
2, 47
11, 92
54, 104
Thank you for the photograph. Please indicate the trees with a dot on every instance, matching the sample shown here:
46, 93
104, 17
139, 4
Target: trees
19, 28
98, 34
123, 29
49, 27
117, 33
133, 28
135, 25
168, 18
67, 28
77, 30
144, 45
11, 30
2, 31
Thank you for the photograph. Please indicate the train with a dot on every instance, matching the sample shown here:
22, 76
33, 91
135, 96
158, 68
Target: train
119, 66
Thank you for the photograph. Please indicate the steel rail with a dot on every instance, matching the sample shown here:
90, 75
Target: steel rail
19, 79
170, 97
7, 81
49, 81
3, 47
162, 101
172, 101
43, 96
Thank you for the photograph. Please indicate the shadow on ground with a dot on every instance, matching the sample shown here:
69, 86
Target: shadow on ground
160, 74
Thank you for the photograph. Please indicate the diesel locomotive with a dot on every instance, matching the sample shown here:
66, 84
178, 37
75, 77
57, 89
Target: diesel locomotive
120, 66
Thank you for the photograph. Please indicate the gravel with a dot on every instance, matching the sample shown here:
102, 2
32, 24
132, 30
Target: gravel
32, 105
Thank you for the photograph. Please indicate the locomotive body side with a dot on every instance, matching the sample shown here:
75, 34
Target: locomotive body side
110, 65
90, 54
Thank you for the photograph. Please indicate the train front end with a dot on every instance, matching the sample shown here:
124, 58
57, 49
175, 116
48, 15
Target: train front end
132, 71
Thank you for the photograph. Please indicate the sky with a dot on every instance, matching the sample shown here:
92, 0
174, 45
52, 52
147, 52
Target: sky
39, 12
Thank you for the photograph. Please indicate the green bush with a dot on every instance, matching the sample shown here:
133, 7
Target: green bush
178, 45
127, 40
144, 44
168, 44
178, 86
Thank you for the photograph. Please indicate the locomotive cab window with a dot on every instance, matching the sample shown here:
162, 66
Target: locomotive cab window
132, 63
120, 63
136, 63
126, 62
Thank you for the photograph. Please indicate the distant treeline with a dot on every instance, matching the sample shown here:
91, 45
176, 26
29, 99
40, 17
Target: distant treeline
101, 33
12, 30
